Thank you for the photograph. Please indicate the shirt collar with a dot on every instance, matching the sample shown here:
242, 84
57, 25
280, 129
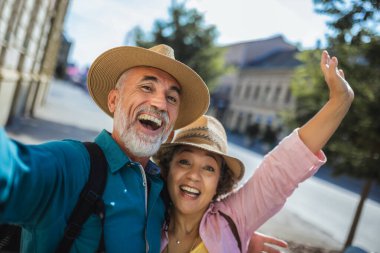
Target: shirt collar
152, 168
116, 157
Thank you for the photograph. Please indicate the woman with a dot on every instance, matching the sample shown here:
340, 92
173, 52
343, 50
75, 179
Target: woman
205, 209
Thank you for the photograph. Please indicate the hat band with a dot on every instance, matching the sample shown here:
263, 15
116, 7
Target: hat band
207, 135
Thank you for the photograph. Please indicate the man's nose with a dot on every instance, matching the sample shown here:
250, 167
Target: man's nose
159, 102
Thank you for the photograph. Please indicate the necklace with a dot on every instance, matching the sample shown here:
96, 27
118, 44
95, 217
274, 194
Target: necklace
179, 242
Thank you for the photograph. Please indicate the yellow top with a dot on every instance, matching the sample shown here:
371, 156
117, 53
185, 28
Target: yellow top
201, 248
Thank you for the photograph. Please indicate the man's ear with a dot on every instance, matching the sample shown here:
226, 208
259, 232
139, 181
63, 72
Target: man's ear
113, 98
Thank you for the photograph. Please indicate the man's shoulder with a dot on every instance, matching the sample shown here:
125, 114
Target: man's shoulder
65, 145
67, 152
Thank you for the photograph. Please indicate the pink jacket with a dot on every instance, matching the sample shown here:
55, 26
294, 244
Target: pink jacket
264, 194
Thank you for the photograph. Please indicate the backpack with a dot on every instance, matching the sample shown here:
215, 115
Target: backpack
90, 201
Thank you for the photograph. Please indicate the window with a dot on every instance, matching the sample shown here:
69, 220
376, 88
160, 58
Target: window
288, 96
256, 93
277, 94
266, 93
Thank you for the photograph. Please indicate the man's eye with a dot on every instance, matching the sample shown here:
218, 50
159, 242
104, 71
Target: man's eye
146, 88
172, 99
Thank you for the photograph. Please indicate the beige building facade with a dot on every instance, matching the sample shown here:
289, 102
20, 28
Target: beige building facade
259, 88
30, 34
259, 97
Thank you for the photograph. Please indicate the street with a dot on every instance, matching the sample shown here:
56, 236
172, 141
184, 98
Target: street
318, 213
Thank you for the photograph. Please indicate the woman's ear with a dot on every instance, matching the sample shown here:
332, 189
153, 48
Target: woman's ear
113, 98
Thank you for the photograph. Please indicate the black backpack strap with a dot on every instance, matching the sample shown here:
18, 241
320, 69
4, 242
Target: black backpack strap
90, 200
10, 236
234, 230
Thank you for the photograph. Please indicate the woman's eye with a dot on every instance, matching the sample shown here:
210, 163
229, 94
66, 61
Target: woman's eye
183, 162
209, 168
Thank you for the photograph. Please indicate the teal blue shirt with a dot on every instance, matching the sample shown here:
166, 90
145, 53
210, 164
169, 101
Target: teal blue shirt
40, 185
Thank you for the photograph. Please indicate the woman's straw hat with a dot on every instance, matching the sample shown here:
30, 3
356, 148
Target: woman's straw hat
109, 66
206, 133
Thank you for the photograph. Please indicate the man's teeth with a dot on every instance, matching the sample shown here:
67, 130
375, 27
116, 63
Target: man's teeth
155, 120
190, 190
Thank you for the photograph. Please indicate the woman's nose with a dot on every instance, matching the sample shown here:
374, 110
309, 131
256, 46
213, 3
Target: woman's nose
194, 174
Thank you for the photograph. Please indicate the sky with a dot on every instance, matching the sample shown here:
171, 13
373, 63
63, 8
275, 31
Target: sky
98, 25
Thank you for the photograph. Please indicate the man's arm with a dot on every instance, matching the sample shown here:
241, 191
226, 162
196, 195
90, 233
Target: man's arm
38, 180
6, 163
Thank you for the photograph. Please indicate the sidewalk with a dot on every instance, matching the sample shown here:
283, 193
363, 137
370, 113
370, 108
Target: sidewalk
70, 113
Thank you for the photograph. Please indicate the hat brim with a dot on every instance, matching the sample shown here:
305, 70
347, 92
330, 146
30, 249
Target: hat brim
234, 164
109, 66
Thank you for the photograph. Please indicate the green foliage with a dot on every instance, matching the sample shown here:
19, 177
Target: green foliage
355, 147
192, 40
308, 86
354, 21
358, 139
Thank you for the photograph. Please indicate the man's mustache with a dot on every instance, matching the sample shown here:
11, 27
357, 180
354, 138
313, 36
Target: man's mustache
154, 111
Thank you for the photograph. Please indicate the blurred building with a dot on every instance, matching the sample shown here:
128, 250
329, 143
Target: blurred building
259, 87
62, 57
30, 34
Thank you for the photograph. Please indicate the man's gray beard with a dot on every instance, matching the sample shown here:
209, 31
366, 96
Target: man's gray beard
137, 143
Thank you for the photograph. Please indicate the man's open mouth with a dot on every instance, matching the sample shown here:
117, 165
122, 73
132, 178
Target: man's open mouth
150, 122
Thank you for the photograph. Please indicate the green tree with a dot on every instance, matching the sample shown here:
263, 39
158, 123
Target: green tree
192, 40
355, 148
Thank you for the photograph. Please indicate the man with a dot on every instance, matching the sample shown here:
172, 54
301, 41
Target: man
148, 93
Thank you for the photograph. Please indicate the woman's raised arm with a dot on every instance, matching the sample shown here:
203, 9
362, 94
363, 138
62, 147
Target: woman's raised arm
319, 129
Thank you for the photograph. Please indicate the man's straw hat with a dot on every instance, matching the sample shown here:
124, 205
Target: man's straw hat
206, 133
109, 66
